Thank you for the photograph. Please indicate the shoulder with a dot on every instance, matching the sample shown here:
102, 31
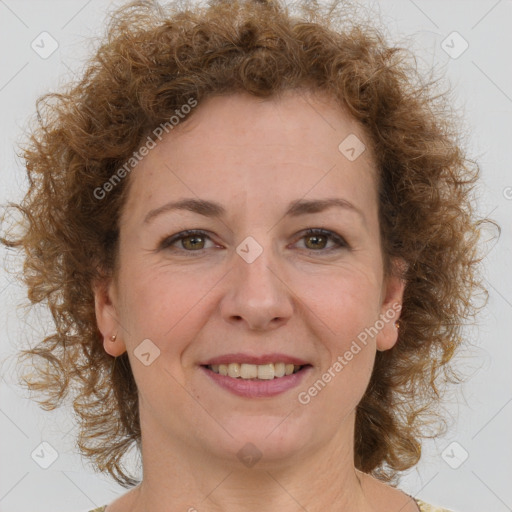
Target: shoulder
425, 507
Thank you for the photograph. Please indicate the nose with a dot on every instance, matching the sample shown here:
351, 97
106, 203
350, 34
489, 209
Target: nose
257, 294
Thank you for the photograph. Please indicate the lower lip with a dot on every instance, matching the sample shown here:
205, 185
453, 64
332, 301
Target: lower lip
258, 388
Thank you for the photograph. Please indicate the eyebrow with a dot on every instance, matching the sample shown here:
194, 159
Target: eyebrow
216, 210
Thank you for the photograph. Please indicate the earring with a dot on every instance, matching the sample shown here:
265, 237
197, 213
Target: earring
397, 324
113, 338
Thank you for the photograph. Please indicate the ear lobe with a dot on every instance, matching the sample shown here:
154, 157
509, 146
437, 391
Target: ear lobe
393, 291
114, 347
107, 317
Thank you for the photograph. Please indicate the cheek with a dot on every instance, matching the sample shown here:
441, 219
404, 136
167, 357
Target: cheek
345, 307
345, 299
167, 308
338, 391
164, 305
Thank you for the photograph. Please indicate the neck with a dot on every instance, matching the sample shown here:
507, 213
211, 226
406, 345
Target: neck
179, 476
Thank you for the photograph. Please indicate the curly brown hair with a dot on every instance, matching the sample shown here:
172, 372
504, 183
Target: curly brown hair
155, 59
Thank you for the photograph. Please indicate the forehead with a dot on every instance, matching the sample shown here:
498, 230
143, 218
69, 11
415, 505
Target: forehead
266, 149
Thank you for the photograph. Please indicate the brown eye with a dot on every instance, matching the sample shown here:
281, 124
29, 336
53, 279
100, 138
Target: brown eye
316, 239
191, 241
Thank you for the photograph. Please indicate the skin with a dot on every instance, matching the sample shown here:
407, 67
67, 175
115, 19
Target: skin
302, 296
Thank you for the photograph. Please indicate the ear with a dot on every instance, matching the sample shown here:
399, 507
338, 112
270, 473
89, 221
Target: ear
392, 293
107, 317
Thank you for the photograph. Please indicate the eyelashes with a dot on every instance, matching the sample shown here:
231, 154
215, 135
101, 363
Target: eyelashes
169, 242
192, 237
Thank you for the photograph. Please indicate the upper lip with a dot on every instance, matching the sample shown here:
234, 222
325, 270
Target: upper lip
251, 359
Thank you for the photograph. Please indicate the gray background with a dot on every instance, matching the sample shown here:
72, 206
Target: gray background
481, 411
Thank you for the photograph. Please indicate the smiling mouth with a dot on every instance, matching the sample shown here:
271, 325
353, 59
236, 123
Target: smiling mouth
246, 371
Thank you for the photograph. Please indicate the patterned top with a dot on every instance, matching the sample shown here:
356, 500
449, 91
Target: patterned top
424, 507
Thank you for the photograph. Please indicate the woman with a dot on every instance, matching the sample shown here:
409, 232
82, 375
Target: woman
255, 236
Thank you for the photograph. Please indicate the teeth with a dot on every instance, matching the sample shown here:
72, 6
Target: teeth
255, 371
265, 371
279, 369
234, 370
248, 371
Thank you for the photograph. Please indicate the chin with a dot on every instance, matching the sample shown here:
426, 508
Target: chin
265, 438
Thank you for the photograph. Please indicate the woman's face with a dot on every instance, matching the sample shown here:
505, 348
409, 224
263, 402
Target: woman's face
253, 286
